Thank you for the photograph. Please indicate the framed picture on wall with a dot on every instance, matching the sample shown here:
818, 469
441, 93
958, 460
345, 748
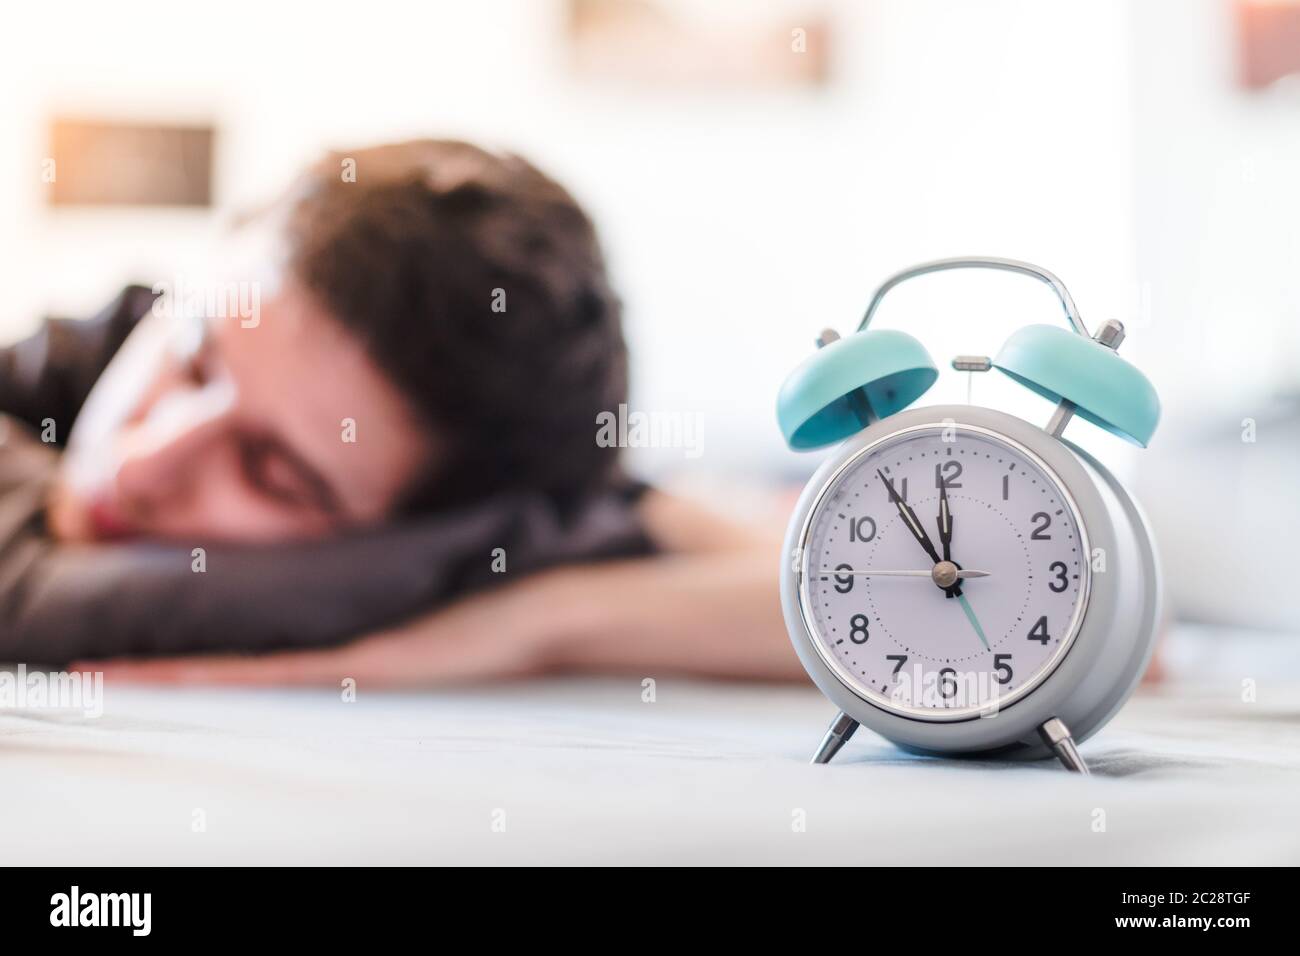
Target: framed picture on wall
680, 44
1268, 36
100, 163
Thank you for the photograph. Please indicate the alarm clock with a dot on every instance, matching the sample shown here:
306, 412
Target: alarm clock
957, 579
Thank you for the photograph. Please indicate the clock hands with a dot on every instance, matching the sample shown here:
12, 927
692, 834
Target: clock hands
974, 621
945, 537
946, 573
909, 518
945, 533
961, 573
945, 521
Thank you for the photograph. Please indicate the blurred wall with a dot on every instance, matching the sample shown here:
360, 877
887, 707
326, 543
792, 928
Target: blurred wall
1218, 254
1218, 214
738, 223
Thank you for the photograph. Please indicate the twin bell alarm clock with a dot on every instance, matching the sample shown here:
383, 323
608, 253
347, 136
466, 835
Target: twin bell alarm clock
957, 579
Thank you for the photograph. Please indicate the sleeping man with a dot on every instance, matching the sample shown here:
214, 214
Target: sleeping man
385, 470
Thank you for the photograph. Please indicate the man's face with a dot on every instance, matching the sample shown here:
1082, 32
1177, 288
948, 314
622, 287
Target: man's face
254, 433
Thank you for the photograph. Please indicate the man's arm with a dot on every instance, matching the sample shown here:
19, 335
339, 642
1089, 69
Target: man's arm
707, 607
59, 602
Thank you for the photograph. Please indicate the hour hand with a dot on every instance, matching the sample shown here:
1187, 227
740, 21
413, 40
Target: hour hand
945, 533
945, 522
909, 518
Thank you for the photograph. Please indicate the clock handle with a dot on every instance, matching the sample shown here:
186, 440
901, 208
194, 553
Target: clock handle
983, 262
1077, 370
841, 730
1057, 736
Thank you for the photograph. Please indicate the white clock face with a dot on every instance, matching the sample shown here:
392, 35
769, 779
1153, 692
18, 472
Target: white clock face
905, 642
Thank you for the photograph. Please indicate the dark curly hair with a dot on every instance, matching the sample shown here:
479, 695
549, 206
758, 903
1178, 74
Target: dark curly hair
412, 252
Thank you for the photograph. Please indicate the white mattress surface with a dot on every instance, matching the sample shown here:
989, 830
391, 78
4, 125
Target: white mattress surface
573, 771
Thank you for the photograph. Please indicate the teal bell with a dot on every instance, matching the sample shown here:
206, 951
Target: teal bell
1086, 376
844, 386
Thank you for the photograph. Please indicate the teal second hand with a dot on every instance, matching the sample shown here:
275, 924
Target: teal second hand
974, 621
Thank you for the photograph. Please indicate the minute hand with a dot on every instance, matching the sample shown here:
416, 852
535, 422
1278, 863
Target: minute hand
909, 518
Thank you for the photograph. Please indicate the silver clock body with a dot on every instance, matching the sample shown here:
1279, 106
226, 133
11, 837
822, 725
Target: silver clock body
1097, 657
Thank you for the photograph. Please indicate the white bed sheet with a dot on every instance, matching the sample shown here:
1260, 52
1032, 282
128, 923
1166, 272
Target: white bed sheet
585, 771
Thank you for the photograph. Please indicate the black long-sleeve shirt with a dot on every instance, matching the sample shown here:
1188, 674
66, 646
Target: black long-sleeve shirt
60, 601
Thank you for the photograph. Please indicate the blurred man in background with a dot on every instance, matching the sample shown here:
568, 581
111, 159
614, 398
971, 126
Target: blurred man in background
408, 417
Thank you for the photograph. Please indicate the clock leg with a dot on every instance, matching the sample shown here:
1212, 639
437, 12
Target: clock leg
841, 730
1057, 736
